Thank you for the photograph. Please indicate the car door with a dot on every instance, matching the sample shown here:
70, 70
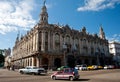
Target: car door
59, 75
27, 70
66, 73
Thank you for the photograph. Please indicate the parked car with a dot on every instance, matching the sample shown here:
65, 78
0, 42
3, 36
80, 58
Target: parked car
32, 70
62, 67
66, 73
77, 67
99, 67
109, 67
81, 67
92, 67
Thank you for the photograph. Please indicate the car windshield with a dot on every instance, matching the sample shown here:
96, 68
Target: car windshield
35, 67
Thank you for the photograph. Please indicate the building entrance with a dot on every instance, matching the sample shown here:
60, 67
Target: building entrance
57, 62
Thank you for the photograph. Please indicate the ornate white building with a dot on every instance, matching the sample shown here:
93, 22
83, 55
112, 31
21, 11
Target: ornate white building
52, 45
114, 48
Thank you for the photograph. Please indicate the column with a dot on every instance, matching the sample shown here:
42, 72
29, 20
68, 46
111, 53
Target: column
36, 42
49, 41
28, 61
61, 42
37, 59
40, 61
32, 61
53, 42
43, 42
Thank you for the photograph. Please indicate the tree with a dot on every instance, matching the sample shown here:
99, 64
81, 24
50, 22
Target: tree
2, 59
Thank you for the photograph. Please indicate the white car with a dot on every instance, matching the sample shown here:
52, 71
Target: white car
32, 70
81, 67
109, 67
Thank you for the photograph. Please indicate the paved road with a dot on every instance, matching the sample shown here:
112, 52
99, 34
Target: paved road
86, 76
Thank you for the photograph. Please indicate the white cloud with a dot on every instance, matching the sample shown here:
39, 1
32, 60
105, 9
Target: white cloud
16, 13
7, 28
96, 5
115, 37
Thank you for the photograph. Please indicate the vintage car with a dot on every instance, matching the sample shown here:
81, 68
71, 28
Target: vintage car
32, 70
92, 67
81, 67
109, 67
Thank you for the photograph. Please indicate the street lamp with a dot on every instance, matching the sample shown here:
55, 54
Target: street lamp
64, 49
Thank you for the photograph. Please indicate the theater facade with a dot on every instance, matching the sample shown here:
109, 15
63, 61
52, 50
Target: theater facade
53, 45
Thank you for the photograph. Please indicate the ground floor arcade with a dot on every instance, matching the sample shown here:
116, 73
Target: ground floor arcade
53, 61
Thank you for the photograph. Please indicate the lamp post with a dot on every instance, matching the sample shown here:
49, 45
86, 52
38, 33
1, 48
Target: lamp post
64, 49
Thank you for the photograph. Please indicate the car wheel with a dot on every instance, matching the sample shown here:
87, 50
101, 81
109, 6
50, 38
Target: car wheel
54, 78
71, 78
21, 72
34, 73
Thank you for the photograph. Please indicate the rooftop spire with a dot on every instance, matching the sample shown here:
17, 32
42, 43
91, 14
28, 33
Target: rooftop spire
101, 34
44, 14
44, 2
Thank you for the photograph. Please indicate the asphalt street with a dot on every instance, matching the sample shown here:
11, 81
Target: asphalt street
85, 76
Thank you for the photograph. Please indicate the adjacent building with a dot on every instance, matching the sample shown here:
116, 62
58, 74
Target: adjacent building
54, 45
114, 48
7, 55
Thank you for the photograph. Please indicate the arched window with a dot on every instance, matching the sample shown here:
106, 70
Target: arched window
68, 39
46, 36
40, 39
57, 38
84, 41
92, 50
76, 41
46, 41
85, 49
57, 41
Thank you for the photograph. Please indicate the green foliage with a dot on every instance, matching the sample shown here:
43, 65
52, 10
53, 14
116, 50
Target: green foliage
2, 59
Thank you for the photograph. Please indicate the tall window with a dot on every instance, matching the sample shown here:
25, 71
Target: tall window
40, 39
57, 41
46, 41
85, 49
76, 41
68, 39
92, 51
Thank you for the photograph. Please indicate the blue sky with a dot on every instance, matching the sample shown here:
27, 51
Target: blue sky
21, 15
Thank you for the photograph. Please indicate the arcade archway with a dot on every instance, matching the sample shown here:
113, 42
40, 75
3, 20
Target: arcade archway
57, 62
78, 62
70, 61
45, 63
